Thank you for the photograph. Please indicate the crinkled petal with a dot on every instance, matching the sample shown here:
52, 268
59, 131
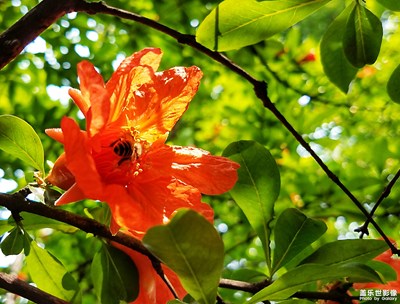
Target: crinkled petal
145, 204
196, 167
124, 94
160, 104
79, 159
210, 174
149, 57
99, 112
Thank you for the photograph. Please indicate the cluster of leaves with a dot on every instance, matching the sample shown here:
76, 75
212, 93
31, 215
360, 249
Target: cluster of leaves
265, 238
191, 246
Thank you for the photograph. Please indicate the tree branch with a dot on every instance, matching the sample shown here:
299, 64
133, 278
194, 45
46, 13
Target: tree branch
17, 203
13, 284
22, 29
260, 89
30, 26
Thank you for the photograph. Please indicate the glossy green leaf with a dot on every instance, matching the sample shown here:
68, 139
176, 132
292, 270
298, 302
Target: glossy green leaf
13, 243
235, 24
393, 5
346, 251
294, 280
18, 138
293, 233
363, 36
257, 188
49, 274
336, 66
114, 275
393, 85
193, 249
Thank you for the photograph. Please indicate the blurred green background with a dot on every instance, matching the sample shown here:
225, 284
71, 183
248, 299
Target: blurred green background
357, 135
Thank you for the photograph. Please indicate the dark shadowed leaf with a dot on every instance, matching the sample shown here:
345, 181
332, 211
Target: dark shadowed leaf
258, 186
363, 36
393, 85
13, 243
193, 249
393, 5
335, 64
115, 276
293, 233
235, 24
18, 138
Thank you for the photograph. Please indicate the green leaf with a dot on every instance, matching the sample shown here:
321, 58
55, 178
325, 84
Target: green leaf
193, 249
293, 233
346, 251
18, 138
393, 5
294, 280
49, 274
336, 66
393, 85
115, 276
363, 36
387, 271
235, 24
257, 188
13, 243
33, 222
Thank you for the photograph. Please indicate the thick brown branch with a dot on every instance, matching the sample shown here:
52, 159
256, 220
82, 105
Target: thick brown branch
13, 284
30, 26
260, 89
17, 203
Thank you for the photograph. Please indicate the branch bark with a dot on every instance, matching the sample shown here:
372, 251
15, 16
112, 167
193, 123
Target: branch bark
13, 284
30, 26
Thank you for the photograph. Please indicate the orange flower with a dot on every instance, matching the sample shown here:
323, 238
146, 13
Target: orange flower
388, 258
122, 158
152, 289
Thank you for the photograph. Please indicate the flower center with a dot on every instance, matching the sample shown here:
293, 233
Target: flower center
118, 158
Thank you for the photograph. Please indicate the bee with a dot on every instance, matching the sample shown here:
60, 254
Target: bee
122, 148
125, 150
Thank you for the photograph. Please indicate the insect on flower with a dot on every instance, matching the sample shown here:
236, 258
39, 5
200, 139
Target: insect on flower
125, 149
122, 157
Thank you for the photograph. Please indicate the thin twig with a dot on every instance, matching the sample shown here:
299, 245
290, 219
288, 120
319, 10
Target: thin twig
260, 89
385, 193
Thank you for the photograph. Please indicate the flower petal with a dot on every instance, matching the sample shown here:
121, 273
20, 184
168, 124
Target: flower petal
210, 174
149, 57
73, 194
59, 175
98, 113
79, 159
151, 287
56, 134
89, 80
196, 167
145, 204
161, 103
